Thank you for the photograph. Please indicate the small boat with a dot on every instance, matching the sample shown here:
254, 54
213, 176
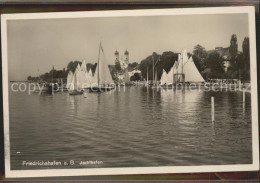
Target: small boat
100, 89
69, 79
52, 88
73, 86
75, 92
102, 80
182, 73
41, 88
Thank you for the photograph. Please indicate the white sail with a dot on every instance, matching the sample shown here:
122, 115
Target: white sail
185, 57
186, 66
102, 73
84, 69
77, 68
163, 77
69, 79
191, 72
72, 86
90, 75
169, 77
84, 66
82, 78
175, 67
155, 77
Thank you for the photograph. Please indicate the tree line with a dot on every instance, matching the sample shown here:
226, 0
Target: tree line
211, 64
54, 75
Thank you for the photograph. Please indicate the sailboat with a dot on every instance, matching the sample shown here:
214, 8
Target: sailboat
183, 71
69, 79
192, 74
163, 78
147, 78
187, 71
156, 79
74, 86
155, 83
82, 76
90, 75
102, 80
87, 76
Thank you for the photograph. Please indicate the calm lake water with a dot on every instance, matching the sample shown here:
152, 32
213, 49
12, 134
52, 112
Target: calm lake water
136, 127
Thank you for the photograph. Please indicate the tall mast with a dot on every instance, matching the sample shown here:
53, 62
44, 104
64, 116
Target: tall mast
153, 68
98, 61
155, 75
182, 69
39, 75
75, 82
147, 73
182, 66
52, 74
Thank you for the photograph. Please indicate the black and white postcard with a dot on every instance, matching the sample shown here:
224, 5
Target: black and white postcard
130, 92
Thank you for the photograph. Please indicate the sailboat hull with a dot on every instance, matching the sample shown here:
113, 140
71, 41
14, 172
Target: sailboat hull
52, 88
75, 92
100, 89
184, 86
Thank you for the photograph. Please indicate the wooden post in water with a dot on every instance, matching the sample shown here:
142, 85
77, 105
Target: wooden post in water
244, 96
244, 100
212, 110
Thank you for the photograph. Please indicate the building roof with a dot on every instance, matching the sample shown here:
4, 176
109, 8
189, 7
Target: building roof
223, 52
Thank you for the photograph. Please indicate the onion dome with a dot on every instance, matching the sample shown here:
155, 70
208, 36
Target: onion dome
126, 52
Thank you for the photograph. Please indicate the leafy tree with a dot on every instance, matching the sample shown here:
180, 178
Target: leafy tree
167, 59
90, 66
132, 65
240, 65
199, 64
233, 50
112, 70
214, 63
135, 77
164, 61
199, 56
146, 65
246, 59
118, 66
199, 51
73, 65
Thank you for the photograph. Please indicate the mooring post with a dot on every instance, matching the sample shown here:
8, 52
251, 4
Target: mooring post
244, 95
212, 110
244, 100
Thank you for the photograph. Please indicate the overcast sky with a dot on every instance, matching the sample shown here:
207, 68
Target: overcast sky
34, 46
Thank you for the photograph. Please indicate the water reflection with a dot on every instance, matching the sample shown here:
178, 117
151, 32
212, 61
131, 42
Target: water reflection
138, 126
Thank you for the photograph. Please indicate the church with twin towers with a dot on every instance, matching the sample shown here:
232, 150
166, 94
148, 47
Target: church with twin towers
124, 61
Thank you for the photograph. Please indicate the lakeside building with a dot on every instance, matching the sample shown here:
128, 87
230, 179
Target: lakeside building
126, 72
123, 61
225, 54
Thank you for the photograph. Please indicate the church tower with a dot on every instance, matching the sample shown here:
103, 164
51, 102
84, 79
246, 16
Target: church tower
126, 57
117, 56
